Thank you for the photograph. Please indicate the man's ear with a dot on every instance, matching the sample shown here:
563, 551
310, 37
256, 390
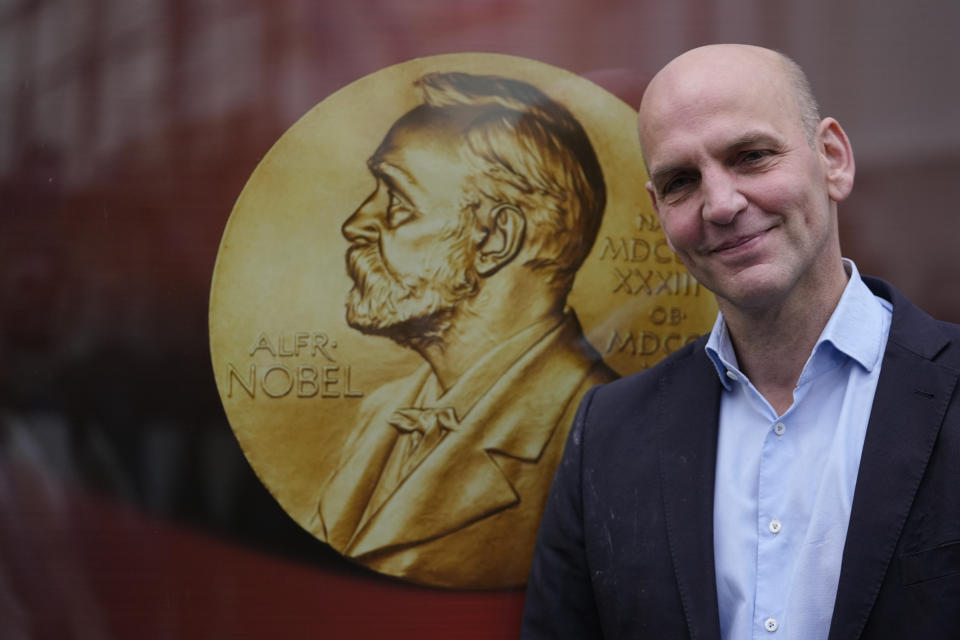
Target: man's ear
502, 240
836, 153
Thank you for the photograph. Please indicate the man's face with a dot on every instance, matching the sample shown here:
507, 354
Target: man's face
741, 194
410, 254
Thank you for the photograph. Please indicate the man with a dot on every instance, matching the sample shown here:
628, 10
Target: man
488, 198
795, 473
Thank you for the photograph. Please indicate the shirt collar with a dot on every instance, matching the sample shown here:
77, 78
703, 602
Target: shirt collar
720, 350
855, 329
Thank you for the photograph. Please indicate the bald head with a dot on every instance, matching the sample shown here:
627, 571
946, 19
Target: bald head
745, 188
752, 71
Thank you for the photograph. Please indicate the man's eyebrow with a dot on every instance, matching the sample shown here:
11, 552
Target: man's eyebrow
753, 138
749, 139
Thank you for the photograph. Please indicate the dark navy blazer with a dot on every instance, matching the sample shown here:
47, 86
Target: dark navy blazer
625, 548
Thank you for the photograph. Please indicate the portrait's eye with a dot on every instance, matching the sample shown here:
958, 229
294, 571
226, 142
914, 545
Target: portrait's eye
399, 211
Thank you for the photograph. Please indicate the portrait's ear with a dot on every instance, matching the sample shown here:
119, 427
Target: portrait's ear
836, 154
502, 240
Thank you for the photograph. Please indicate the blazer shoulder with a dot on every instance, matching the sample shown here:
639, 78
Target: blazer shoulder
915, 330
626, 399
678, 363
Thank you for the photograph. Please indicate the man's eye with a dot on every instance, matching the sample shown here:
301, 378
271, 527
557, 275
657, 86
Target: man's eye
753, 155
399, 212
677, 183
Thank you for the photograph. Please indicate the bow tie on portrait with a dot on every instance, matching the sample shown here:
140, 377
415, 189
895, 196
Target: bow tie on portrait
424, 421
426, 428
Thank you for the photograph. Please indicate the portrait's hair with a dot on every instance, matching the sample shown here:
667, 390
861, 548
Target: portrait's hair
803, 94
530, 152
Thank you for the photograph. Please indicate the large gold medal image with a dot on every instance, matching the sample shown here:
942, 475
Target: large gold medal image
415, 288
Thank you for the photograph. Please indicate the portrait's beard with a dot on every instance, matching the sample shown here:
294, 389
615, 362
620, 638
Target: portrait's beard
411, 309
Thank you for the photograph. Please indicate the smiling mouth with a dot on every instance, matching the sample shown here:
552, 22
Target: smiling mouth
736, 243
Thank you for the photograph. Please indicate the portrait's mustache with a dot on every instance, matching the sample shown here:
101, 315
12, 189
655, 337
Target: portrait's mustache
366, 267
413, 305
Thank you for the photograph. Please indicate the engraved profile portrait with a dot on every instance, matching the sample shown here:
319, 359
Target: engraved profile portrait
487, 198
416, 286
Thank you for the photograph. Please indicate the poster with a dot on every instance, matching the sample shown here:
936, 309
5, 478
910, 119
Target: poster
127, 133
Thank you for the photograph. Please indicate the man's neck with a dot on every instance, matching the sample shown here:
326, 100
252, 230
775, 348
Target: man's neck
773, 343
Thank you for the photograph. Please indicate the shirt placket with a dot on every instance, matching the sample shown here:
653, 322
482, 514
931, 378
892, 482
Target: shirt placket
773, 564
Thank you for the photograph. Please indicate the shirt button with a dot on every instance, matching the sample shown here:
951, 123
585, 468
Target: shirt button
771, 624
732, 375
775, 527
779, 428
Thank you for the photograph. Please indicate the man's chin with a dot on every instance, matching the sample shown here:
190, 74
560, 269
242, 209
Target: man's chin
756, 289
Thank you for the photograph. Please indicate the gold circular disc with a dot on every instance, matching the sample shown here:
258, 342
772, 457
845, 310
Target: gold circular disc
424, 448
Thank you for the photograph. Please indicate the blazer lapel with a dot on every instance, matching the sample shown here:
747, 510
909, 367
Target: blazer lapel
456, 484
908, 410
347, 492
689, 406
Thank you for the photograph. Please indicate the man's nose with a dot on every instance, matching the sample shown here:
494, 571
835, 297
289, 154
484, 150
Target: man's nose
364, 225
722, 199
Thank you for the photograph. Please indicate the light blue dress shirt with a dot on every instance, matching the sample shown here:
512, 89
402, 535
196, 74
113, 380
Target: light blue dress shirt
784, 484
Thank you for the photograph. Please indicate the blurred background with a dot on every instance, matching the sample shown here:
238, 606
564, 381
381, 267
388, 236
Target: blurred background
128, 129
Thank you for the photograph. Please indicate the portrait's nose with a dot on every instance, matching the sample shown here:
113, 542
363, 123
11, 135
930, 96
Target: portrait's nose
722, 199
364, 225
